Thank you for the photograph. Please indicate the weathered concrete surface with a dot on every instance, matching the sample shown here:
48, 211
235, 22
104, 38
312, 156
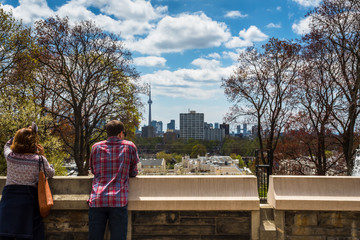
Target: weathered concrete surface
168, 207
194, 193
191, 225
315, 207
318, 193
322, 225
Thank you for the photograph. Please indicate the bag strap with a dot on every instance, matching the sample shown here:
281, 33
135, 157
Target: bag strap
41, 161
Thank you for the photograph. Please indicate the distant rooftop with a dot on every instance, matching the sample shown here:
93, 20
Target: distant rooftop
151, 162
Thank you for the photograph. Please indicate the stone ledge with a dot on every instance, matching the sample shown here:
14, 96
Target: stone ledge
194, 193
70, 201
203, 204
321, 193
153, 193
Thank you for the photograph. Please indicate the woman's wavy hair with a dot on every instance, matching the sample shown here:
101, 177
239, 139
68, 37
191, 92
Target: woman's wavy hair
25, 141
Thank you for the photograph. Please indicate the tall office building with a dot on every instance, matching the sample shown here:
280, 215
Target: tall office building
213, 134
254, 131
158, 126
216, 125
148, 132
245, 131
171, 125
226, 127
238, 129
192, 125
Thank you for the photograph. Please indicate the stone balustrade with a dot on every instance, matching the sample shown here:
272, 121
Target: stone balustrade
216, 207
323, 193
164, 207
315, 207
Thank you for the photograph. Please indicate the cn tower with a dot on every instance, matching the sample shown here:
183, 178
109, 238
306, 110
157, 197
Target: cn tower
149, 102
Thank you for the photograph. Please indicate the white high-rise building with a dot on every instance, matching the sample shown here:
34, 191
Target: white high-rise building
192, 125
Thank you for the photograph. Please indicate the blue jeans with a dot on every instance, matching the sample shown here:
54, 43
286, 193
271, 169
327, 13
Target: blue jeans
117, 218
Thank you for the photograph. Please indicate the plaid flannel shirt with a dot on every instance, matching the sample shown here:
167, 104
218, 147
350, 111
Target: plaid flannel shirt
112, 162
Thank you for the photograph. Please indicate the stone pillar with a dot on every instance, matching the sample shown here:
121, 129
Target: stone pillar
279, 217
255, 225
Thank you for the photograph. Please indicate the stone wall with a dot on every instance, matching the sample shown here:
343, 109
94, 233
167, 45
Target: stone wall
315, 207
67, 225
216, 207
322, 225
159, 225
163, 207
191, 225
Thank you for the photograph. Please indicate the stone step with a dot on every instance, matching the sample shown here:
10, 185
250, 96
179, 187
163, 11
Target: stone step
267, 223
267, 230
266, 212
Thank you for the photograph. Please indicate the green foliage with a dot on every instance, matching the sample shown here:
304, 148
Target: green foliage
177, 157
198, 150
263, 190
233, 155
178, 146
54, 152
165, 156
170, 158
170, 166
148, 145
243, 147
16, 114
15, 40
328, 154
241, 162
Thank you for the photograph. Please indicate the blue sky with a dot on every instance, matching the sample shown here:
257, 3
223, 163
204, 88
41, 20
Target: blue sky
183, 47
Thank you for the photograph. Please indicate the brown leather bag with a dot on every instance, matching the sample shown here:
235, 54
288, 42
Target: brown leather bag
44, 194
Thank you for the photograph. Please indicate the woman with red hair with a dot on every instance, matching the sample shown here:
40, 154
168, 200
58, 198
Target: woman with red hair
19, 209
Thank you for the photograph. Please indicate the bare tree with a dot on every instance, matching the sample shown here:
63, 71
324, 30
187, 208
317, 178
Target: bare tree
316, 95
262, 87
86, 79
338, 22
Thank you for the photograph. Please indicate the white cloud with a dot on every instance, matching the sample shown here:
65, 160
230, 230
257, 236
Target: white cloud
151, 61
273, 25
125, 17
77, 12
136, 20
308, 3
247, 38
136, 10
30, 10
302, 27
200, 83
176, 34
278, 8
196, 93
214, 55
206, 64
233, 55
235, 14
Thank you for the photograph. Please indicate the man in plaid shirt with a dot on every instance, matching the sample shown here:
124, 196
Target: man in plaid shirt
112, 162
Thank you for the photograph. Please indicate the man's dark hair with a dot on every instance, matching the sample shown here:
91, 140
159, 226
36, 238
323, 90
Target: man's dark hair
114, 127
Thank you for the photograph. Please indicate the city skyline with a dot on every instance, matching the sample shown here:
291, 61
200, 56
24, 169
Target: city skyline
183, 61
